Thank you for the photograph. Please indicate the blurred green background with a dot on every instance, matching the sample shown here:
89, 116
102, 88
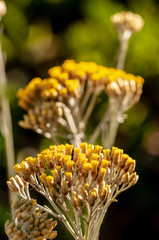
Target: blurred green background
41, 33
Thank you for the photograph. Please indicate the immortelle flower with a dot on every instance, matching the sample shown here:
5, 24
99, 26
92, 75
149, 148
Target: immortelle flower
123, 90
29, 222
61, 105
126, 24
79, 183
127, 20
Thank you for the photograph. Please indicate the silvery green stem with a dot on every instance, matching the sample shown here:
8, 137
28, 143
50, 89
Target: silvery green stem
85, 99
109, 131
105, 119
123, 39
90, 108
6, 120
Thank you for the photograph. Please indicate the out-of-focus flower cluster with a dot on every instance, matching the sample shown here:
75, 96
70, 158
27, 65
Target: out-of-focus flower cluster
68, 81
127, 21
67, 97
29, 222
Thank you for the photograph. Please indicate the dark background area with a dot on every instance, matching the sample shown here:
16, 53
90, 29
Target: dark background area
39, 34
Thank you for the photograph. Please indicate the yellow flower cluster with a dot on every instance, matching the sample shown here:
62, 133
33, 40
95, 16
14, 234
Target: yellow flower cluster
86, 174
47, 90
126, 91
127, 20
68, 80
29, 222
97, 74
70, 92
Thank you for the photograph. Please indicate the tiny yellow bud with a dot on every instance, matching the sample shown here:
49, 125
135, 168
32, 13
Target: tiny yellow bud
53, 147
43, 178
56, 175
98, 149
93, 196
50, 180
83, 147
69, 149
64, 187
106, 153
22, 169
54, 71
66, 158
123, 160
58, 169
70, 165
116, 155
104, 163
94, 168
41, 161
130, 165
48, 158
101, 174
62, 91
68, 176
86, 186
94, 156
85, 169
53, 193
58, 158
76, 152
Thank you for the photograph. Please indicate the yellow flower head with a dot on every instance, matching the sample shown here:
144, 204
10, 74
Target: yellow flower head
68, 79
81, 174
50, 100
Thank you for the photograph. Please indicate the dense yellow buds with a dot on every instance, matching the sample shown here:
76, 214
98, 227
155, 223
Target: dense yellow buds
66, 80
87, 178
69, 93
83, 174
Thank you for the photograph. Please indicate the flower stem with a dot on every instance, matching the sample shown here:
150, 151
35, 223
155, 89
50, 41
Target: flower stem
123, 38
90, 108
6, 120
